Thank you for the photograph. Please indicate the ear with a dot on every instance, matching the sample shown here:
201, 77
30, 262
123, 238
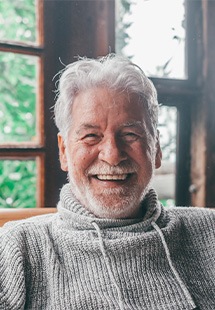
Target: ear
158, 156
62, 153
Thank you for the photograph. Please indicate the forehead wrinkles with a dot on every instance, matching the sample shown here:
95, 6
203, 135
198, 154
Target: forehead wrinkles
114, 98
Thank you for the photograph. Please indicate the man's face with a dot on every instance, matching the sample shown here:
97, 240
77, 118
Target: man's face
109, 153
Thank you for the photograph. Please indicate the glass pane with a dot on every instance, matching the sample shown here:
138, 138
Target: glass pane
18, 21
164, 181
152, 34
18, 183
18, 89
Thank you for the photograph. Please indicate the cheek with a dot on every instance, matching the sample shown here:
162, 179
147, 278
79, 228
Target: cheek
82, 158
144, 158
140, 153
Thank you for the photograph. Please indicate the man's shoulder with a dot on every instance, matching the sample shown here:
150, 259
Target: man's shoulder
193, 212
20, 228
194, 217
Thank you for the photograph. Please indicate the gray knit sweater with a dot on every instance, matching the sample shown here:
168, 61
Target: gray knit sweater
72, 260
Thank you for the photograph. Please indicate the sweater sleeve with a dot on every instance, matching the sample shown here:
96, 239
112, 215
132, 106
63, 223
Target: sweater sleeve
12, 276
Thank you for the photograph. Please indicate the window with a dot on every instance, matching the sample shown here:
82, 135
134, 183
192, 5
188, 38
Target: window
164, 180
21, 104
152, 33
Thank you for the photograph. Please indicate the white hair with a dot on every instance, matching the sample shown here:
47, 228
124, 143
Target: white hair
112, 71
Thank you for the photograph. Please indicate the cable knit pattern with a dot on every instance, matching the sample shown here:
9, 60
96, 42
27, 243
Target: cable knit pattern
73, 260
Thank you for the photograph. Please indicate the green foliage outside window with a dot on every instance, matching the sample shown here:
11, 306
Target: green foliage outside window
18, 20
17, 184
122, 37
17, 98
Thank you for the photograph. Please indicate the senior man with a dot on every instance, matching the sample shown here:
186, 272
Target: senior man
111, 245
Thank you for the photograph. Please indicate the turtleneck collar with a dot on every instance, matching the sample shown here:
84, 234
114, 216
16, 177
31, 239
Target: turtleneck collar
77, 217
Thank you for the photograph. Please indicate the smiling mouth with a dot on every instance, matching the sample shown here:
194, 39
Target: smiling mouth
112, 177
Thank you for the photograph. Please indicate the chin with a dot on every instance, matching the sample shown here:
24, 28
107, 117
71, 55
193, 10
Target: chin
113, 206
112, 203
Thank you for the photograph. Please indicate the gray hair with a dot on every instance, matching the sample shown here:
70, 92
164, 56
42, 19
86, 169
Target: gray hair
112, 71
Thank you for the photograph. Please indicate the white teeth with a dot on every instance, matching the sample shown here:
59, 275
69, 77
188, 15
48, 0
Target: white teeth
113, 177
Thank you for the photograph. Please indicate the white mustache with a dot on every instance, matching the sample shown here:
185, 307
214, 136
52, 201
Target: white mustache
123, 168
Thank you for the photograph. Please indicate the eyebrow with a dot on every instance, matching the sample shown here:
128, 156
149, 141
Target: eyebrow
134, 124
86, 127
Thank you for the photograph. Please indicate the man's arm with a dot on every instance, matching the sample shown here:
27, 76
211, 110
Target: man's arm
12, 279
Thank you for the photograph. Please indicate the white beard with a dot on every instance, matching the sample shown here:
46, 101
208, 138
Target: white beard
111, 203
120, 206
121, 202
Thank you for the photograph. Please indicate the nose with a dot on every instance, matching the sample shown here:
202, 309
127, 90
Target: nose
111, 151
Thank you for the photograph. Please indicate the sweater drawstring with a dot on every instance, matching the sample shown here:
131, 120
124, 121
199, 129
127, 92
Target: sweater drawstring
110, 272
168, 256
175, 272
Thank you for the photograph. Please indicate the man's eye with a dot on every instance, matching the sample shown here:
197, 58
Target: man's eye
91, 138
91, 135
129, 136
